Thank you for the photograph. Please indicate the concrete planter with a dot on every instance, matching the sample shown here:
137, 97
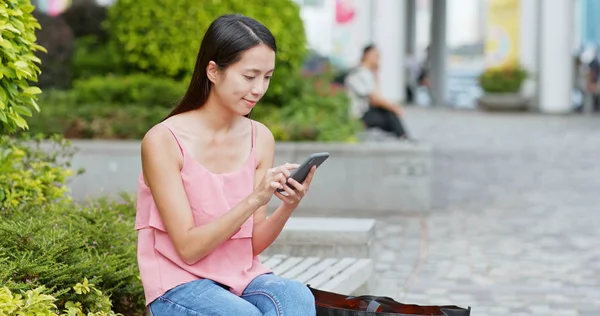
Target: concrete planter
503, 102
379, 177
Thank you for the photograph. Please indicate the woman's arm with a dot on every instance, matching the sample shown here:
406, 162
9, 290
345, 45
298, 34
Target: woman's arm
266, 230
161, 165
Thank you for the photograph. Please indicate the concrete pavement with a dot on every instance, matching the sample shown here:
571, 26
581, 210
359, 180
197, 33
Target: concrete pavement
515, 224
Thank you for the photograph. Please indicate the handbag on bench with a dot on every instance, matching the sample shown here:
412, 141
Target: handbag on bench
333, 304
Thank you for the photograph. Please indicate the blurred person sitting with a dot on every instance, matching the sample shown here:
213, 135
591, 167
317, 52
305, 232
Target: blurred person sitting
375, 111
593, 81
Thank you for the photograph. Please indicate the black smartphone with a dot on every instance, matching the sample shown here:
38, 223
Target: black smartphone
301, 172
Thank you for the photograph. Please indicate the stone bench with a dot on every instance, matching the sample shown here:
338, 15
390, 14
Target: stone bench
348, 276
325, 237
340, 275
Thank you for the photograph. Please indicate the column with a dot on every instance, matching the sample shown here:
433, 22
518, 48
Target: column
555, 56
438, 52
388, 36
411, 26
528, 46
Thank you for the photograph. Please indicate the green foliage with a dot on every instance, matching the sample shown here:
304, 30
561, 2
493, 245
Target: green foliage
36, 302
92, 57
507, 79
56, 36
19, 64
315, 110
164, 39
65, 243
100, 121
31, 174
49, 242
129, 89
319, 112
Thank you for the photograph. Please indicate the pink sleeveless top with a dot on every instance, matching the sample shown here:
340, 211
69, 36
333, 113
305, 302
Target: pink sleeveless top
210, 196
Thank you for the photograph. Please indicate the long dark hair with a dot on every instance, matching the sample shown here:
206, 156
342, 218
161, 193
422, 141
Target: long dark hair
225, 40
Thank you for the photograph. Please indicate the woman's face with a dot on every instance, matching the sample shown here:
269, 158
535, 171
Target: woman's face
241, 85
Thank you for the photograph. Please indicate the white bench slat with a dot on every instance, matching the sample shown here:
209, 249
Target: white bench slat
301, 267
331, 272
315, 270
344, 275
352, 277
273, 261
286, 265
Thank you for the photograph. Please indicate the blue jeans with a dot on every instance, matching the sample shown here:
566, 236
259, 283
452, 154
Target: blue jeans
266, 295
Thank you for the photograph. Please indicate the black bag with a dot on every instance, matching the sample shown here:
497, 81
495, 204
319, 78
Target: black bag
333, 304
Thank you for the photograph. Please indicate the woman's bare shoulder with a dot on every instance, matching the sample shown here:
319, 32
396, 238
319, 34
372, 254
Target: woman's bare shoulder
265, 145
160, 143
263, 133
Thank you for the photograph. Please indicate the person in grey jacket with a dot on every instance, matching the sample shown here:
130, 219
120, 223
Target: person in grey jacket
367, 103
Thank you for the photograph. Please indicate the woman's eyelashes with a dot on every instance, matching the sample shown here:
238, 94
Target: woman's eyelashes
250, 78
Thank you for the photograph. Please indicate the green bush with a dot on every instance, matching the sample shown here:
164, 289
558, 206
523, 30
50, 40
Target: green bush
315, 110
61, 244
19, 64
94, 54
92, 57
98, 121
32, 175
36, 302
164, 39
507, 79
49, 242
320, 112
129, 89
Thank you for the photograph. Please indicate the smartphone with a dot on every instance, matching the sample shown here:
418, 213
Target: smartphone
301, 172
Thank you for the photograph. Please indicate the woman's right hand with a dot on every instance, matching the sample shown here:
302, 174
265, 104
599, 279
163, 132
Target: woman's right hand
274, 179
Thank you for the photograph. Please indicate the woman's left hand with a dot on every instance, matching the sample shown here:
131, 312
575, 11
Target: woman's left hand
294, 194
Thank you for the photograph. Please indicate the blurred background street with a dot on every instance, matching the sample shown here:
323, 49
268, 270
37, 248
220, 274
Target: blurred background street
515, 223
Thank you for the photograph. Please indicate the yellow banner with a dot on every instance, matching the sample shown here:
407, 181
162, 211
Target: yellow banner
503, 26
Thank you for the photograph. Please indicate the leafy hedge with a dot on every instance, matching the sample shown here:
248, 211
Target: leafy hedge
49, 241
97, 121
33, 175
93, 58
65, 243
19, 65
129, 89
37, 302
125, 107
319, 111
164, 39
507, 79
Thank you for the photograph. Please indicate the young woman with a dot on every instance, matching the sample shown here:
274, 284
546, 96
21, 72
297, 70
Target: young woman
207, 177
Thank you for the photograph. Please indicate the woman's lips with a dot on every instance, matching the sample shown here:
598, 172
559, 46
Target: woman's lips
249, 103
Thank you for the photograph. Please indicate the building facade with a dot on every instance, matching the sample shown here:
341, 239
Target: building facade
547, 38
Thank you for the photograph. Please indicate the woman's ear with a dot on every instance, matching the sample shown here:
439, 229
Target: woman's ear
212, 72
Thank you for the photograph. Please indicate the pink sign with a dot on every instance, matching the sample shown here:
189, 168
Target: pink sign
56, 7
344, 11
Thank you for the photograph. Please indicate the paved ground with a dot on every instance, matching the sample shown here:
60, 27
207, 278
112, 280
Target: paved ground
515, 228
